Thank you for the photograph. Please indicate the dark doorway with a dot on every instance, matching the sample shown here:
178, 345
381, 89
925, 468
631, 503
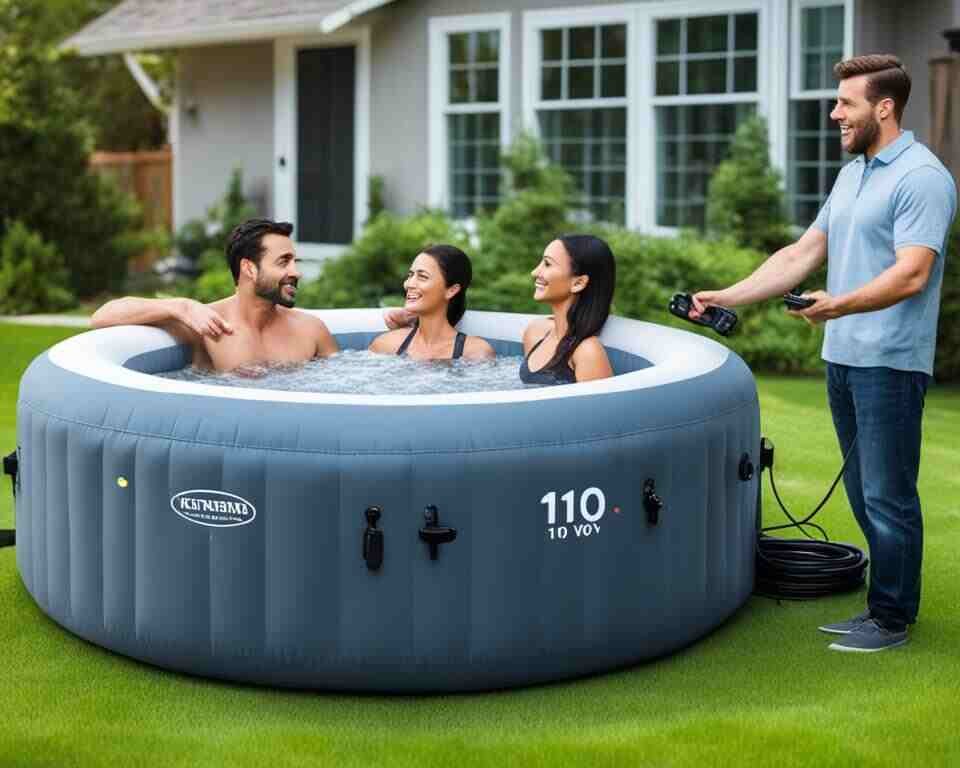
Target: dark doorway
325, 145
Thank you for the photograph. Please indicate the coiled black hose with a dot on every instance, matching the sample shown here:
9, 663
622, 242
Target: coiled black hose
804, 569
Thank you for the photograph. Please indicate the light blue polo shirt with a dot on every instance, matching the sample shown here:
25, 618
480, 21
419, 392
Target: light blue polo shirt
903, 196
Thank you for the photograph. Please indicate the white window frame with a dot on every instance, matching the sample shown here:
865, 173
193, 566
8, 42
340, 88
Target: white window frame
771, 95
796, 62
797, 93
536, 21
770, 85
285, 203
438, 79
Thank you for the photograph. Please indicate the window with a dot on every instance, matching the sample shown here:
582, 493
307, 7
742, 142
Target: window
469, 78
705, 82
820, 39
581, 111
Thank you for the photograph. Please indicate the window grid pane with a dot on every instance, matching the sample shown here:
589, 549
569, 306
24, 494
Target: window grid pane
707, 55
691, 141
821, 45
473, 166
473, 67
583, 62
591, 145
815, 158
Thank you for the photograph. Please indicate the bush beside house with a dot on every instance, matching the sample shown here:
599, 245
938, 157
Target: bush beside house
32, 275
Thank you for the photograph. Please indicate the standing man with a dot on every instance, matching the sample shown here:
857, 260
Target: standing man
883, 231
257, 324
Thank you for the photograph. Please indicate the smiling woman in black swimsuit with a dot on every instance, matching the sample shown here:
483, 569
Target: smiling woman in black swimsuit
436, 293
576, 277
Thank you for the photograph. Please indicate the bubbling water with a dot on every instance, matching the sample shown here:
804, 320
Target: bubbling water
361, 372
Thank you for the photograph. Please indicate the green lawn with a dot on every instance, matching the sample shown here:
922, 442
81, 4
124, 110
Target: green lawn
762, 690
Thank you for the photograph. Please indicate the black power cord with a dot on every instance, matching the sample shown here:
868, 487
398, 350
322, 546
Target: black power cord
804, 569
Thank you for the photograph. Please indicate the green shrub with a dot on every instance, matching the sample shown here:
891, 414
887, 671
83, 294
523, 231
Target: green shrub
44, 182
213, 285
947, 362
203, 241
745, 200
534, 210
376, 189
376, 264
32, 275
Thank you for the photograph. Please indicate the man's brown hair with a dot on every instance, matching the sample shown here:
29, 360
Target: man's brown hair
886, 78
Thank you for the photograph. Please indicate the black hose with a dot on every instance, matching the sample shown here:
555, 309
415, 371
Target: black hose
804, 569
798, 569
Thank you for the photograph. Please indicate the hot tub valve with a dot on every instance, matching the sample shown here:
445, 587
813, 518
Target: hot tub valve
373, 539
651, 502
434, 534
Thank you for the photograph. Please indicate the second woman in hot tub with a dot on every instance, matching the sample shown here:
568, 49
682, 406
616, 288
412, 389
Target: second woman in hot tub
436, 293
576, 277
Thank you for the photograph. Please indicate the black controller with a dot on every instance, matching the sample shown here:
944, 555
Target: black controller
795, 301
723, 321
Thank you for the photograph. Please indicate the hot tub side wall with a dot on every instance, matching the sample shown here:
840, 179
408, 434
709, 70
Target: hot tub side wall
287, 599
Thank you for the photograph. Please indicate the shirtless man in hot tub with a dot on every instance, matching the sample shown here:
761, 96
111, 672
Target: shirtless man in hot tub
256, 325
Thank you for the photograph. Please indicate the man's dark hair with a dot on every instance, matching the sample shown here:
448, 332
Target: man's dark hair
886, 78
246, 241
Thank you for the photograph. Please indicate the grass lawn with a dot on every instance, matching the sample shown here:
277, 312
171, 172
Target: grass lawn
761, 690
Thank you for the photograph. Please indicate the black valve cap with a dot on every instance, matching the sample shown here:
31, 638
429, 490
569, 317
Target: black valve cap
746, 468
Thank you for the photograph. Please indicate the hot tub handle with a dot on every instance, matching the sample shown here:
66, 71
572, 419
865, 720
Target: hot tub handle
434, 534
11, 466
373, 539
651, 502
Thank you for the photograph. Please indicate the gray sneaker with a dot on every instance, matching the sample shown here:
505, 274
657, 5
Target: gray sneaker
846, 627
870, 638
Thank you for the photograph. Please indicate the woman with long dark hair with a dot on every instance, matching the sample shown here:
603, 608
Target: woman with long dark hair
576, 277
435, 292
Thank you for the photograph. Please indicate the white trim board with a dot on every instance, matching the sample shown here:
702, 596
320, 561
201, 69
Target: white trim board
229, 32
285, 132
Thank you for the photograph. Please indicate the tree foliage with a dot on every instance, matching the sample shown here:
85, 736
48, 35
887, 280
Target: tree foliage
745, 200
45, 141
32, 275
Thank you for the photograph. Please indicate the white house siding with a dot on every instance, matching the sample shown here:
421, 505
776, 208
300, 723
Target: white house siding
224, 81
914, 32
231, 87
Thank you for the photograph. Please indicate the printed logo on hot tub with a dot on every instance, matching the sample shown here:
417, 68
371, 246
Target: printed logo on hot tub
217, 509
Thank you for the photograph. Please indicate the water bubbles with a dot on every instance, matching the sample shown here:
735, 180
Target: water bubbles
362, 372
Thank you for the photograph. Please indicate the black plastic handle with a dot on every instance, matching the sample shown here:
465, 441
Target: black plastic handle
433, 534
11, 466
373, 539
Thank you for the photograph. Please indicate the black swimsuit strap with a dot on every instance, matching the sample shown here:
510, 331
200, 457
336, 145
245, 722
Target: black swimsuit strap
458, 346
563, 372
406, 342
534, 347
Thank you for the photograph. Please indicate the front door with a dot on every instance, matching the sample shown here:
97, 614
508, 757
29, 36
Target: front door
325, 145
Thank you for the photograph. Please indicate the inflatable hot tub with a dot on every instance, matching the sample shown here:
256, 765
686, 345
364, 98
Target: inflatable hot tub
388, 543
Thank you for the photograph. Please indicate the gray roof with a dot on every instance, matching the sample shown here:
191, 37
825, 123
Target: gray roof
153, 24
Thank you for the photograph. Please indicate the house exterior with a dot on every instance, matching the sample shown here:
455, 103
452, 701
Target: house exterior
638, 100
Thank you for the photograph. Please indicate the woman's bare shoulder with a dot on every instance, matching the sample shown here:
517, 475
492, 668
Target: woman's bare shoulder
476, 348
590, 360
388, 343
536, 330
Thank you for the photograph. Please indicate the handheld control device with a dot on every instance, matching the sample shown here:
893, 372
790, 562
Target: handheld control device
723, 321
796, 301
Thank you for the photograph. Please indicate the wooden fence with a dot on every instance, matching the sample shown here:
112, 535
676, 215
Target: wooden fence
148, 177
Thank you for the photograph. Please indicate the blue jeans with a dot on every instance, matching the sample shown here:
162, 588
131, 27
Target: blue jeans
883, 408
